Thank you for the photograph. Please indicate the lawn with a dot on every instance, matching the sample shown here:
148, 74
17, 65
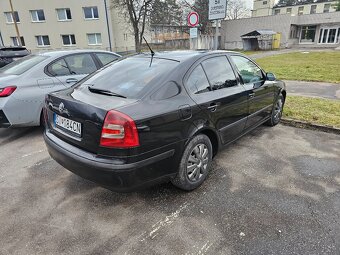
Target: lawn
313, 110
313, 66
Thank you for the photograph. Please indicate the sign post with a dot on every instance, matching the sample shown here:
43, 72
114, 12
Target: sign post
193, 20
217, 11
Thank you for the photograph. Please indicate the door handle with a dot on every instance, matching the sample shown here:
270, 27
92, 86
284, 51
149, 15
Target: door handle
251, 95
212, 107
71, 80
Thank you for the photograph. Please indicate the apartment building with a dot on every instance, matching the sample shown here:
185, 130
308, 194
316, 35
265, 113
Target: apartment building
65, 24
269, 7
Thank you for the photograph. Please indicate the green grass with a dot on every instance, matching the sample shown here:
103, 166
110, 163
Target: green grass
313, 66
313, 110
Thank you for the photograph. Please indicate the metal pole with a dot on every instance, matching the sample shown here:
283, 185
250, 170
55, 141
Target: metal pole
107, 24
1, 40
15, 23
216, 36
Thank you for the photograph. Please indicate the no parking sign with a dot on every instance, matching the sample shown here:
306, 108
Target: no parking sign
193, 19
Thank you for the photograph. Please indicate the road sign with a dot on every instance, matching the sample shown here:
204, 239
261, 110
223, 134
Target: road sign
193, 19
193, 32
217, 9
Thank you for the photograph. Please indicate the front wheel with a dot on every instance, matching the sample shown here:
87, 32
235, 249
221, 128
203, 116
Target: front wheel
276, 112
195, 163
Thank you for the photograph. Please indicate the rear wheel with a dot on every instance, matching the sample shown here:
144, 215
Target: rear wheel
276, 112
195, 163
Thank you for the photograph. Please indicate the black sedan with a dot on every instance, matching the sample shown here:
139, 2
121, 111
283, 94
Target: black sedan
148, 119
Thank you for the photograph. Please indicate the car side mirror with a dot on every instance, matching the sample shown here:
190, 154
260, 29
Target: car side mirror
271, 77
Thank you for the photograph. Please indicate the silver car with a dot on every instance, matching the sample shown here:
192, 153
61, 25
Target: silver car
25, 82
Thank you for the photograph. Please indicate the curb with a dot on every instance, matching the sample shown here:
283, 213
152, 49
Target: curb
308, 125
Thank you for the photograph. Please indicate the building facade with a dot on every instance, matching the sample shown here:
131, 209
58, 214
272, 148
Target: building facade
65, 24
268, 7
320, 30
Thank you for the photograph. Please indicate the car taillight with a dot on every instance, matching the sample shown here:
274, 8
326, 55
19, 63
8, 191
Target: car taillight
5, 92
119, 131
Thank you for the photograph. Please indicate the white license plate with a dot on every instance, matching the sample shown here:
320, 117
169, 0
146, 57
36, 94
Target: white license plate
65, 123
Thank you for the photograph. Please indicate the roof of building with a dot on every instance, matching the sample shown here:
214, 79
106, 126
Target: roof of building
300, 2
259, 32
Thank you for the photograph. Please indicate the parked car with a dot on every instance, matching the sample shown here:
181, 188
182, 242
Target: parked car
144, 120
25, 82
10, 54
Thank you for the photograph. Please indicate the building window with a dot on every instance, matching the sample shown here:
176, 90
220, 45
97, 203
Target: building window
300, 10
326, 8
64, 14
329, 35
277, 11
43, 40
264, 2
9, 17
91, 12
94, 39
15, 41
313, 9
68, 40
37, 15
307, 34
289, 11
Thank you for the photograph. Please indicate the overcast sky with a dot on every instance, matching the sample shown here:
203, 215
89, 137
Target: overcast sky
249, 3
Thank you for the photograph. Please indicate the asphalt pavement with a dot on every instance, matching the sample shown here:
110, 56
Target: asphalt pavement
314, 89
274, 191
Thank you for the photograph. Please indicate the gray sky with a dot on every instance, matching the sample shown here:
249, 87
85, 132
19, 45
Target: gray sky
249, 3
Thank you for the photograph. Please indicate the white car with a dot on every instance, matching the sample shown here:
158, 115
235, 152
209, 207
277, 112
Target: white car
25, 82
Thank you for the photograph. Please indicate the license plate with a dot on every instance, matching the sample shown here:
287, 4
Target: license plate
65, 123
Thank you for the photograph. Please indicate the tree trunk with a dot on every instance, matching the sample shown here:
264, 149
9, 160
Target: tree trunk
137, 43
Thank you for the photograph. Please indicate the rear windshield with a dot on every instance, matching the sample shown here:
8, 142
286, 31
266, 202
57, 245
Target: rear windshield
22, 65
130, 76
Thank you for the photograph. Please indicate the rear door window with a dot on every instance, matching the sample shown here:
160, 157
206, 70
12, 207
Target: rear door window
197, 82
220, 73
59, 68
106, 58
81, 64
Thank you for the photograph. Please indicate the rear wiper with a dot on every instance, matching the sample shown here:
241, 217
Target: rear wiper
105, 92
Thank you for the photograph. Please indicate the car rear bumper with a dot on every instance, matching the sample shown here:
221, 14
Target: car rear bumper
4, 123
111, 173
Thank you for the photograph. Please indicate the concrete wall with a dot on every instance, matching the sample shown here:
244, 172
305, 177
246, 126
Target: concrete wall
232, 30
54, 28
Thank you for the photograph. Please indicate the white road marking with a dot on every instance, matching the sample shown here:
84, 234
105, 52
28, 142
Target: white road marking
32, 153
168, 220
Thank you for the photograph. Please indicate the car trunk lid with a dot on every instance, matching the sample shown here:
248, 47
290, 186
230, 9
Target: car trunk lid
81, 110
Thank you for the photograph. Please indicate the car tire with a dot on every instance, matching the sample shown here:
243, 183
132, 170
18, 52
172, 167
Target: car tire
276, 112
195, 163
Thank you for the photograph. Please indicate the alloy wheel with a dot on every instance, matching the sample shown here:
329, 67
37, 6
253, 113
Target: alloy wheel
278, 109
197, 162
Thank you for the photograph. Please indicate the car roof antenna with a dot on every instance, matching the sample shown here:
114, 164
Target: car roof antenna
152, 52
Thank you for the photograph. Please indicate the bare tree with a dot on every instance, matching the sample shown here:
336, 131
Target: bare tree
138, 13
236, 9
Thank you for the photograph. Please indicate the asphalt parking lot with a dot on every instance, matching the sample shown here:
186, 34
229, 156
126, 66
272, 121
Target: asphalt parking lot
275, 191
